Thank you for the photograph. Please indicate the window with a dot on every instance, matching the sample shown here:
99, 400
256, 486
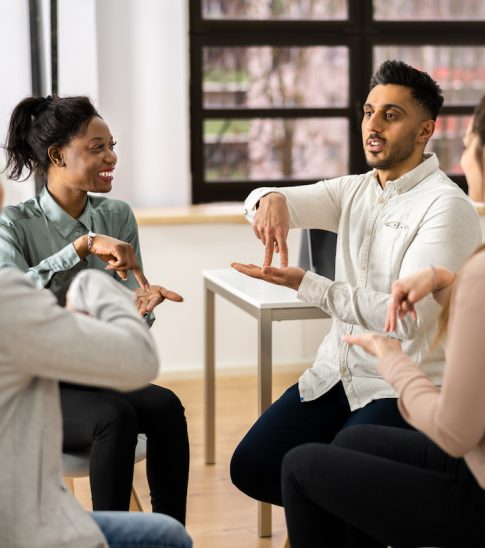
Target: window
277, 86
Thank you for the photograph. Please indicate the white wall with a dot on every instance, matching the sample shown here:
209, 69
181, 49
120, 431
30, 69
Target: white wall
16, 80
174, 257
143, 88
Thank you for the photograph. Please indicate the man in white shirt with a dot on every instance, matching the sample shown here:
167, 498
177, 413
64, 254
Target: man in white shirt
402, 216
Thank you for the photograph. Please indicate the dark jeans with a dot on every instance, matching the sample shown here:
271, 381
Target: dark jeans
109, 422
256, 462
378, 486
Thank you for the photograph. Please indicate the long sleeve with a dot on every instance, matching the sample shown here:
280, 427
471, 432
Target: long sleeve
309, 206
454, 417
363, 306
109, 347
12, 249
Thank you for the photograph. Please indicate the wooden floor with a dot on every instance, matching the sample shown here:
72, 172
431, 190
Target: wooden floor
218, 515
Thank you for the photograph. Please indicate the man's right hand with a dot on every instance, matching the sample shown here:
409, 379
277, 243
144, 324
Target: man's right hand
271, 225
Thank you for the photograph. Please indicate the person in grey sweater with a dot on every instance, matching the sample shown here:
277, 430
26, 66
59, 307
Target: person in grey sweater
101, 340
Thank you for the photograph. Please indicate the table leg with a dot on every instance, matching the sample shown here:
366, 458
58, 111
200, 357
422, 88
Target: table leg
264, 399
209, 377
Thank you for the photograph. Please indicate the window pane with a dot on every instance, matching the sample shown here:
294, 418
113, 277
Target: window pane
447, 142
418, 10
263, 148
275, 77
460, 70
274, 9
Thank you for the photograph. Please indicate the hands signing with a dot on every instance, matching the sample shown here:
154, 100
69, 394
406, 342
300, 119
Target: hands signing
148, 299
289, 276
373, 343
119, 256
406, 292
271, 225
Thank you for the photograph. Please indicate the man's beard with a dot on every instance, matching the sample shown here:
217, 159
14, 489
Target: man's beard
397, 155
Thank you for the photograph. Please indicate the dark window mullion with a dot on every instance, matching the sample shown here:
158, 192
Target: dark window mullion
211, 113
409, 37
457, 110
196, 120
295, 39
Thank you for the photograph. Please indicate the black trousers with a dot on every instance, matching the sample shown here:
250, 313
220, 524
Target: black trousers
379, 486
256, 462
109, 422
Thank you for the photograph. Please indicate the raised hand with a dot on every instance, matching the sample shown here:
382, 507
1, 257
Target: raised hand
290, 276
148, 299
271, 225
406, 292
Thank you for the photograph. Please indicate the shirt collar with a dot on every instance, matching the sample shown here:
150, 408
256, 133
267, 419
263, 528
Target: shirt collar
412, 178
61, 220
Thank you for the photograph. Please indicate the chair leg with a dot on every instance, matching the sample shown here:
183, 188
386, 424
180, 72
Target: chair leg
135, 503
70, 483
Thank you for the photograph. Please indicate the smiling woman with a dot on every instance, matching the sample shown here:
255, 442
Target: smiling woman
51, 238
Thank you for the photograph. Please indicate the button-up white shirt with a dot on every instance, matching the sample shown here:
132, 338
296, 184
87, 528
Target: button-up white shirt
418, 220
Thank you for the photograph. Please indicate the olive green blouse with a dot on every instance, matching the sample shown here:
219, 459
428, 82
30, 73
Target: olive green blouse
37, 237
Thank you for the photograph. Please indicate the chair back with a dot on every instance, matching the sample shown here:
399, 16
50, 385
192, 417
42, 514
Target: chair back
317, 252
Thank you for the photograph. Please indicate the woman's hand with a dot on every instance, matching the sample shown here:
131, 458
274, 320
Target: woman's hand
411, 289
290, 276
119, 256
373, 343
148, 299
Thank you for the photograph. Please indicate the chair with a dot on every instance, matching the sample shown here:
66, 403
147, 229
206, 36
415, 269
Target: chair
76, 465
317, 252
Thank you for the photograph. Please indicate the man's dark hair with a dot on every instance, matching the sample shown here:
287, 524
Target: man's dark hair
423, 88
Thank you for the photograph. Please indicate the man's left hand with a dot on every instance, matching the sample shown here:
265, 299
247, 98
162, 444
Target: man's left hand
289, 276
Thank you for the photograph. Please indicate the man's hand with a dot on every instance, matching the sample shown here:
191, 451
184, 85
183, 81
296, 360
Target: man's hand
271, 225
289, 276
148, 299
373, 343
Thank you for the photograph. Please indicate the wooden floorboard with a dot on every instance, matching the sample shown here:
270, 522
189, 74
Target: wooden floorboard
218, 515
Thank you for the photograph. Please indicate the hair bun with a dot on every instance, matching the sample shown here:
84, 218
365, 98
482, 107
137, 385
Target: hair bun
42, 104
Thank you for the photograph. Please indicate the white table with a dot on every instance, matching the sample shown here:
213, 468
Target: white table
267, 303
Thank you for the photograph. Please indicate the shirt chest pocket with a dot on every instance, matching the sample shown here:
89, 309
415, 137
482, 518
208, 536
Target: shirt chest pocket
389, 246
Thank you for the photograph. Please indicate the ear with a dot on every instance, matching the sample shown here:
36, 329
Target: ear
55, 156
426, 131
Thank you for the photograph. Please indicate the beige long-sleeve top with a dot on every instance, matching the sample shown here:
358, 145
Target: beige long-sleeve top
453, 416
41, 343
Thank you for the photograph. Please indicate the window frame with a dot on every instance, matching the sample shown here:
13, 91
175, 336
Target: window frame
359, 33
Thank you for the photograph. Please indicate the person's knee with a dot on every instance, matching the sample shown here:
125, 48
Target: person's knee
172, 533
238, 468
165, 403
353, 437
245, 470
117, 417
